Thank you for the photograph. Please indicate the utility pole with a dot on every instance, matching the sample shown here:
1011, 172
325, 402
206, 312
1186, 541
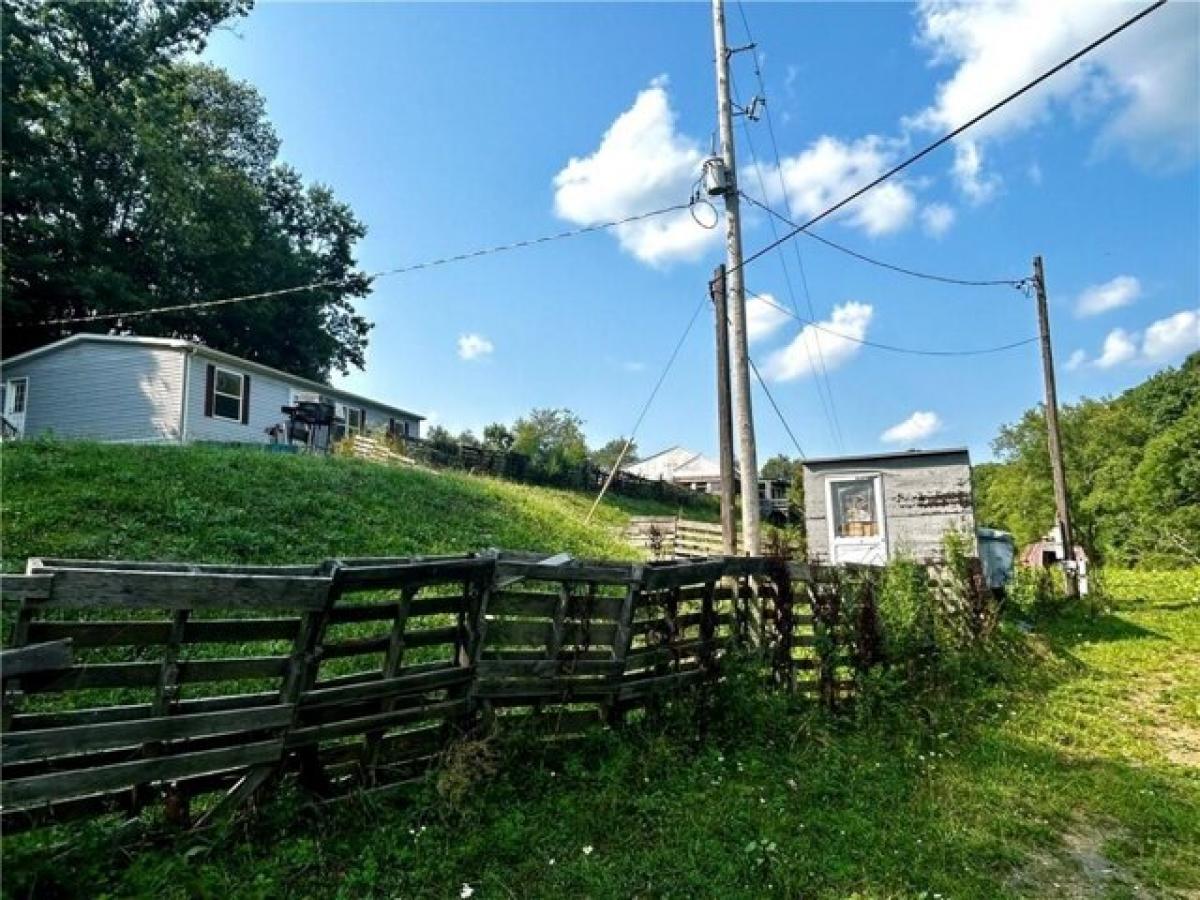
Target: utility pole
743, 414
1055, 436
724, 413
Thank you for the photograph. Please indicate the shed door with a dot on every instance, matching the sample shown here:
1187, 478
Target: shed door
857, 527
16, 398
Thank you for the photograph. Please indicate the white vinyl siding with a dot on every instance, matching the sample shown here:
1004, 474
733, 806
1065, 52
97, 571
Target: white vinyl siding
103, 391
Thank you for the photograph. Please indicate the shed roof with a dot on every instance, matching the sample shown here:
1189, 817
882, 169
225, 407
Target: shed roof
902, 454
209, 352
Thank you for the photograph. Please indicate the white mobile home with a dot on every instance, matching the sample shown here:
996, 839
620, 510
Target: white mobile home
126, 388
869, 509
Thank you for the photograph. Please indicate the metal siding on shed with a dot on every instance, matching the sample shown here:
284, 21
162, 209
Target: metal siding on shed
106, 392
924, 497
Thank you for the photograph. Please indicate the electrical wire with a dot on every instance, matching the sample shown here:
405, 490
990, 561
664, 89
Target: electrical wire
778, 412
892, 347
827, 406
316, 285
949, 136
646, 408
1018, 283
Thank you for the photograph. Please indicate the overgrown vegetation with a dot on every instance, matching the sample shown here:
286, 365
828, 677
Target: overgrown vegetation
1060, 763
1133, 466
227, 504
1053, 755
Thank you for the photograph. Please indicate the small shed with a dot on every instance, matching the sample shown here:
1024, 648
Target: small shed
870, 509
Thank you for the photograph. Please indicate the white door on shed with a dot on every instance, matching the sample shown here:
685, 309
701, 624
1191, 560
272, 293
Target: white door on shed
16, 398
857, 530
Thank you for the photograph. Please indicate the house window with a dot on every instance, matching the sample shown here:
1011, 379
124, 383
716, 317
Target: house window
229, 391
855, 512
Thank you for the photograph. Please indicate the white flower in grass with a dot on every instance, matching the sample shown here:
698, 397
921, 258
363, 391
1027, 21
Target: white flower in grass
552, 860
466, 891
587, 850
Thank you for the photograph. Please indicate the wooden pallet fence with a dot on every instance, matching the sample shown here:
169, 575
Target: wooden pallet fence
129, 682
667, 537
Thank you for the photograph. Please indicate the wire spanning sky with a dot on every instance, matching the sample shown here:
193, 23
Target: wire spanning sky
449, 127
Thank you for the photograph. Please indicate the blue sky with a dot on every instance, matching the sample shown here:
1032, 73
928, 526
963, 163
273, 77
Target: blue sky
453, 127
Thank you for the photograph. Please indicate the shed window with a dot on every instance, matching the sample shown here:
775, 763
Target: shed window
229, 392
855, 514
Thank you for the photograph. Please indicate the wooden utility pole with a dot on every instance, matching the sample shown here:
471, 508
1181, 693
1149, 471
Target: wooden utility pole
1061, 501
743, 414
724, 413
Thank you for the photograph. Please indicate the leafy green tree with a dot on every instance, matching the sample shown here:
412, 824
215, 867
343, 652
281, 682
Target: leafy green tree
606, 457
467, 438
441, 439
1132, 472
135, 178
497, 437
552, 439
780, 468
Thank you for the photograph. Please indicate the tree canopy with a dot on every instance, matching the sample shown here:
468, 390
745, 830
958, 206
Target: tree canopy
135, 178
1133, 473
553, 439
606, 457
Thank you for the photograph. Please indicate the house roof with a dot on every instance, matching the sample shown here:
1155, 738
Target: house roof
210, 353
903, 454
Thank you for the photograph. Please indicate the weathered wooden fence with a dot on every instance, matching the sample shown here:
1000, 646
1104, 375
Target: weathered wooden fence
133, 681
664, 537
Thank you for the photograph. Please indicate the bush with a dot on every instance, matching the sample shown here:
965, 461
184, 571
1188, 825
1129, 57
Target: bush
1037, 593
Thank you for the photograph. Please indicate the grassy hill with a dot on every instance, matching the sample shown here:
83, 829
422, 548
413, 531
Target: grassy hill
241, 505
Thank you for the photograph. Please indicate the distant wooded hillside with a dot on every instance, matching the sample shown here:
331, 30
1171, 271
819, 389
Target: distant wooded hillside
1133, 469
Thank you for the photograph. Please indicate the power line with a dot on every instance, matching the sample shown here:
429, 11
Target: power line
956, 132
945, 279
892, 347
316, 285
827, 407
831, 413
778, 412
646, 407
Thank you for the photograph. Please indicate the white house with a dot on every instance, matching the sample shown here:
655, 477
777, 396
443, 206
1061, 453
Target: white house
145, 389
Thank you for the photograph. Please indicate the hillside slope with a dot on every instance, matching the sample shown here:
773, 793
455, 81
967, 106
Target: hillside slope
221, 504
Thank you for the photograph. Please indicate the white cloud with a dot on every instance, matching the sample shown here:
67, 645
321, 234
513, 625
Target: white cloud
474, 346
916, 427
1165, 340
829, 169
968, 171
1034, 171
834, 342
1172, 337
643, 163
1100, 298
633, 366
1119, 347
763, 317
1143, 83
937, 218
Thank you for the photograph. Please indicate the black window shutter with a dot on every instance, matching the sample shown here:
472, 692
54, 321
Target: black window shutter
210, 383
245, 399
391, 427
362, 419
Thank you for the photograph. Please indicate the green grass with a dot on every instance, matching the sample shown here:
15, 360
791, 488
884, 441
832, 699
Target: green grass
222, 504
1066, 763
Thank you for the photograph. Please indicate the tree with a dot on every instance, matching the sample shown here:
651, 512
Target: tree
133, 178
1131, 466
552, 439
467, 438
606, 457
497, 437
441, 439
780, 468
